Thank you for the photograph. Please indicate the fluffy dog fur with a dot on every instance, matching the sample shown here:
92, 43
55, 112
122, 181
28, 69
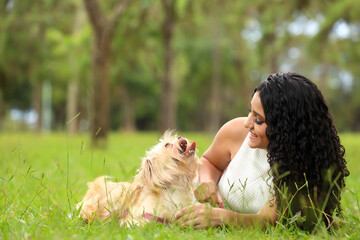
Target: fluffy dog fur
162, 186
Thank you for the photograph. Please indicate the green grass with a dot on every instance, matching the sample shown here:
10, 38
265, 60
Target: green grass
42, 177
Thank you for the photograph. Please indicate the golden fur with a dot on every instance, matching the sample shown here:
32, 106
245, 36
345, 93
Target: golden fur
162, 186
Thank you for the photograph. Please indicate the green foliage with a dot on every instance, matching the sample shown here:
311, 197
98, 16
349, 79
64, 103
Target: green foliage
43, 177
40, 41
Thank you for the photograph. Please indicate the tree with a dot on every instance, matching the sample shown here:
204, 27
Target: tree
25, 51
72, 105
168, 92
103, 29
130, 79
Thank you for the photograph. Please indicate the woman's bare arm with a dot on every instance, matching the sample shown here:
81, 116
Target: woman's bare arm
202, 216
216, 158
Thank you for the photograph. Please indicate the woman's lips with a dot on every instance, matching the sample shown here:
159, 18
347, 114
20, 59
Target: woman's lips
252, 135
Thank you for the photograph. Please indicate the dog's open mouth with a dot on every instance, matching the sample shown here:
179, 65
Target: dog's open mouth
185, 149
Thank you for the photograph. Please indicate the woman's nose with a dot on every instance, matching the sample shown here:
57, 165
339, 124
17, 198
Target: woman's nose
249, 123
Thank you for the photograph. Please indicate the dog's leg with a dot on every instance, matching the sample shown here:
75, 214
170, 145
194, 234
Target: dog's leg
102, 198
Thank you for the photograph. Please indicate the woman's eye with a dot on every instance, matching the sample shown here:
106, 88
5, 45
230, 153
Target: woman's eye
167, 145
257, 121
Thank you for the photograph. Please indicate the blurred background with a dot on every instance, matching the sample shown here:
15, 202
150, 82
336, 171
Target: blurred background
143, 65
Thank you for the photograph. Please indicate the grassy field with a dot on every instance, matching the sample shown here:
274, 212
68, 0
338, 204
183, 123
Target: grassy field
42, 177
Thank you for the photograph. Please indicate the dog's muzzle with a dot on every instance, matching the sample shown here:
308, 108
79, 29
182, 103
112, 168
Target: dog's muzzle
184, 148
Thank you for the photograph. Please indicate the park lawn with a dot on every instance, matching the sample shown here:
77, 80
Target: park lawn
42, 177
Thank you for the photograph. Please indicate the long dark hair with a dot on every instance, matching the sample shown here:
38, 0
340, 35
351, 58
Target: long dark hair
304, 150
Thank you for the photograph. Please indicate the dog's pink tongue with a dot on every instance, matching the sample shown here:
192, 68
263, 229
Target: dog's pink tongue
192, 147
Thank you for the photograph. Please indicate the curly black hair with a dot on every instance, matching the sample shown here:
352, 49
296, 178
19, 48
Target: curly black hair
304, 151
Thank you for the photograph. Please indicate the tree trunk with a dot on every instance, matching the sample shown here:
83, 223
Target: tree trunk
2, 110
323, 83
46, 107
215, 101
168, 109
268, 52
37, 101
128, 111
103, 31
245, 88
100, 122
72, 107
273, 64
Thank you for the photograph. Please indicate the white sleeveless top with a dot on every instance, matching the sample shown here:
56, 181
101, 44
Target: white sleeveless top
246, 185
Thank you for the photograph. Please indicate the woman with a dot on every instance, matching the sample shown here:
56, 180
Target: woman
282, 164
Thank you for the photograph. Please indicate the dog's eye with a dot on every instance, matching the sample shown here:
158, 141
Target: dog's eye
167, 145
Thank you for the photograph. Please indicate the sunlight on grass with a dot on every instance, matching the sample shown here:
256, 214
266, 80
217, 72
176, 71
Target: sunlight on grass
42, 177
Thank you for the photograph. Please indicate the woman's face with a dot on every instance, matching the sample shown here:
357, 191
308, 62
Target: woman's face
256, 124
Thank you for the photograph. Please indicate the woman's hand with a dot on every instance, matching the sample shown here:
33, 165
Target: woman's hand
204, 216
208, 192
200, 216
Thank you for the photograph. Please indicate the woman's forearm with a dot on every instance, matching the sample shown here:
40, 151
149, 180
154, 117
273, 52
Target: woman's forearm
266, 216
208, 172
204, 216
234, 219
206, 188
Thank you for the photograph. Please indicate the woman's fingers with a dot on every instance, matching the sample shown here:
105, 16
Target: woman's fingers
197, 216
207, 192
200, 192
185, 213
194, 223
220, 201
197, 222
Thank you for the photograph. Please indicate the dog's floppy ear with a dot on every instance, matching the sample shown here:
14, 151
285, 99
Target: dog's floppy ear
151, 175
147, 170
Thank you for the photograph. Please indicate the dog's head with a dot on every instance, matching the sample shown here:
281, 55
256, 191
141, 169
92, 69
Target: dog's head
170, 163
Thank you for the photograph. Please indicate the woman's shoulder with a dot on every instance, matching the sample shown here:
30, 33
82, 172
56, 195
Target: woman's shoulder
234, 130
226, 143
236, 121
236, 125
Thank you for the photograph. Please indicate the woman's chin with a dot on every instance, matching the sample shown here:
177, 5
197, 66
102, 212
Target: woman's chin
252, 144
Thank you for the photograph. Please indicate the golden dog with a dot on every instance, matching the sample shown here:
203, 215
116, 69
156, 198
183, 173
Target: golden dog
162, 186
